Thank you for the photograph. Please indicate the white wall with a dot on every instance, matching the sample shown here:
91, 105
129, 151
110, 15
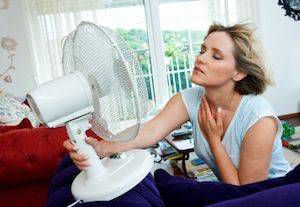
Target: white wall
12, 25
281, 38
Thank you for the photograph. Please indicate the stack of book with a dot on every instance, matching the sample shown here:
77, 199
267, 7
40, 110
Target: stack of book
197, 169
203, 175
166, 151
200, 171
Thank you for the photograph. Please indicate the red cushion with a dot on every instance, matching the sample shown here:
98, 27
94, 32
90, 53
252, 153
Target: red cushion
30, 154
33, 195
25, 123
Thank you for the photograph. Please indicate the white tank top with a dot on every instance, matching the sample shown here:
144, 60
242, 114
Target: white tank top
251, 109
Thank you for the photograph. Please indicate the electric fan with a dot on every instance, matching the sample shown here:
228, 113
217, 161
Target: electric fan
103, 89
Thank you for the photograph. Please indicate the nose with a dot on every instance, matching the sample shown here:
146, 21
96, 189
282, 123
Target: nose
200, 59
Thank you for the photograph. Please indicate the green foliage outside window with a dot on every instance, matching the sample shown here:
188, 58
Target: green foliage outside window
177, 48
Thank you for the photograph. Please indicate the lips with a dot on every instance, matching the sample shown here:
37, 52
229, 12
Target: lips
197, 69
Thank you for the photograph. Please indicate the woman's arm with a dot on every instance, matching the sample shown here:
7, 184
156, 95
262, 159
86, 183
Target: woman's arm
256, 151
228, 173
172, 116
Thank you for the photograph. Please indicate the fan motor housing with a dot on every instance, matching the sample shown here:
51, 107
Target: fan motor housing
61, 100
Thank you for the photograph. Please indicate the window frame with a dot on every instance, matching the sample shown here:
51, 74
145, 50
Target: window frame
156, 48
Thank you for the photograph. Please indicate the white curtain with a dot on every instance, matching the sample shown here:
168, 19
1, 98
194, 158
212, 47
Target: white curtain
248, 11
232, 11
49, 22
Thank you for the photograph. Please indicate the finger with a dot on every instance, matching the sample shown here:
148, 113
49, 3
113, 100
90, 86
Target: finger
199, 115
78, 157
68, 145
219, 118
71, 146
73, 156
91, 141
207, 110
203, 115
214, 115
80, 168
82, 164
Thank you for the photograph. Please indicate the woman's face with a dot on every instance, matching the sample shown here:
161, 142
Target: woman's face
215, 64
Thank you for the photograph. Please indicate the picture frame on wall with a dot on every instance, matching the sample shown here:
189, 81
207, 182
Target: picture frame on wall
291, 7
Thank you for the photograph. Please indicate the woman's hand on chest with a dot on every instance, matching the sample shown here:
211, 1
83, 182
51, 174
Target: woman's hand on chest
212, 126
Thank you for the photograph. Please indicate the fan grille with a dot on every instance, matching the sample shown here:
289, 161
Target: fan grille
116, 80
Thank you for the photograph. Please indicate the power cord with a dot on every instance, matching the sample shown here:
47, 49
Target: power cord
73, 204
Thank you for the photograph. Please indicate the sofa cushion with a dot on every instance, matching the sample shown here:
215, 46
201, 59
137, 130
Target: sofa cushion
30, 154
25, 123
30, 194
287, 196
178, 191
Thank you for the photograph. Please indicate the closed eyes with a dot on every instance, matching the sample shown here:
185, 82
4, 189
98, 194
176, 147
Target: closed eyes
215, 55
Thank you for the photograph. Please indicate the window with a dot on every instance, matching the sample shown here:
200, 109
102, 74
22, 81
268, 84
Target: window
165, 34
184, 24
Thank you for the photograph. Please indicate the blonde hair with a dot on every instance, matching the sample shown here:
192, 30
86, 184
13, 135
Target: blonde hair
248, 58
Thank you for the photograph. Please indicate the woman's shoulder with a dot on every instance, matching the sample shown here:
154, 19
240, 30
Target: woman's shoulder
192, 94
257, 105
197, 90
254, 108
191, 98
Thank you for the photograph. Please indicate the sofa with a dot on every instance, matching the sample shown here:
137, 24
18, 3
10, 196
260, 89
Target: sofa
174, 191
29, 158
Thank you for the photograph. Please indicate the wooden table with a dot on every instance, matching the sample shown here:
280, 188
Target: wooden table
183, 145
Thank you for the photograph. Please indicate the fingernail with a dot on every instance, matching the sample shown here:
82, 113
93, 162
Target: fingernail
87, 138
219, 109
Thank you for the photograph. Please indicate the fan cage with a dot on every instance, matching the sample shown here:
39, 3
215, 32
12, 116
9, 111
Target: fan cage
119, 90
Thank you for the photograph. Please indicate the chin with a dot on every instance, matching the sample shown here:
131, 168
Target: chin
197, 80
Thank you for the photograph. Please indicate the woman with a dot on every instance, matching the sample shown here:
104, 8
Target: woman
236, 131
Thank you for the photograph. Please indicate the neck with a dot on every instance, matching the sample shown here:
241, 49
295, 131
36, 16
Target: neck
225, 98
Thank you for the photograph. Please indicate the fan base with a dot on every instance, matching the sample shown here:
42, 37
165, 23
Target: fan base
121, 175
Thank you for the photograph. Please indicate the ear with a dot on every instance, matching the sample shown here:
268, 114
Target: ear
239, 75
